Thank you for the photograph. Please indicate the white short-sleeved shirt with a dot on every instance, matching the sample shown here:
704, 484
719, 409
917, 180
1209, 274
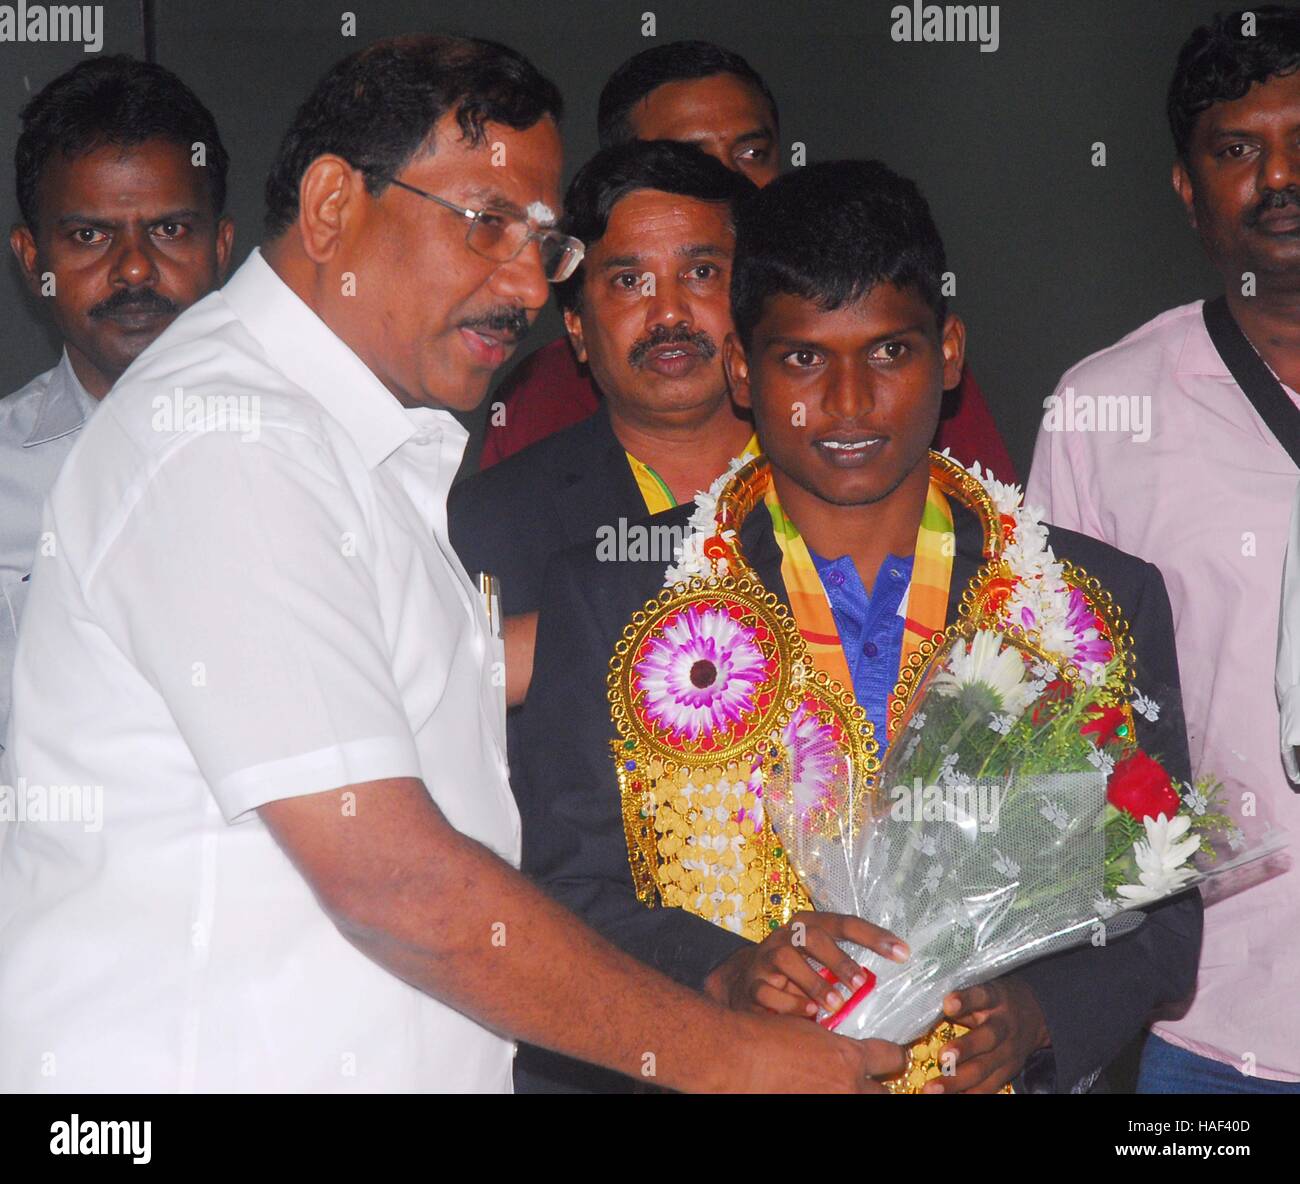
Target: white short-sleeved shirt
252, 597
38, 427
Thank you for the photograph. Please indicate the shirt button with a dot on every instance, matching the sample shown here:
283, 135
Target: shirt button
870, 649
893, 571
835, 578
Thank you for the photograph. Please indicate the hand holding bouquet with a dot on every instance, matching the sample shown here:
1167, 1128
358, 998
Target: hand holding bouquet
1015, 817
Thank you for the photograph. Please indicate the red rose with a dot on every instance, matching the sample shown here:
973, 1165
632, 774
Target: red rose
1104, 724
1139, 785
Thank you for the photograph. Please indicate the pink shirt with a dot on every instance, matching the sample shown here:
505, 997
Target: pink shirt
1207, 498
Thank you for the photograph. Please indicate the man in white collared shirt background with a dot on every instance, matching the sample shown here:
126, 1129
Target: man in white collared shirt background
121, 231
254, 664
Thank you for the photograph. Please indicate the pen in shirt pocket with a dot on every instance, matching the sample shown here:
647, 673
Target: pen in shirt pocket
490, 589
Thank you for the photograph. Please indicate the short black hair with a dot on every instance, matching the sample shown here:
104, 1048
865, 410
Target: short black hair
831, 232
613, 173
678, 61
377, 108
113, 101
1218, 63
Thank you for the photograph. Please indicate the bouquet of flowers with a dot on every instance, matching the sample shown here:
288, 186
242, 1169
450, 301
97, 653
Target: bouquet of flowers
1015, 816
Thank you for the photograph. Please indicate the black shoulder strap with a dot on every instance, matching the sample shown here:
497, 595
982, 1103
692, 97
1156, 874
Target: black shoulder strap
1254, 377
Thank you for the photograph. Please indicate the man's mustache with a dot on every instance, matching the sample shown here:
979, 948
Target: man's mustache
1274, 199
505, 319
134, 300
681, 335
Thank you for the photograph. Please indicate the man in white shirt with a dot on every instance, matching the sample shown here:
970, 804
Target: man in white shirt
257, 703
122, 228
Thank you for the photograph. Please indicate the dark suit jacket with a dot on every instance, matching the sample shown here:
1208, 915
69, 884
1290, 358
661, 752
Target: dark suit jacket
553, 495
1094, 999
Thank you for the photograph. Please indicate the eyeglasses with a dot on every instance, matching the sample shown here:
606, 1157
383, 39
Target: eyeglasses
499, 236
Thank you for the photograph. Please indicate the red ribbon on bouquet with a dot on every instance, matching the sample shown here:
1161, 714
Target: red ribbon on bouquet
831, 1021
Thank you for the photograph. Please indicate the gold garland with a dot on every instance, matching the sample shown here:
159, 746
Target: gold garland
666, 785
691, 808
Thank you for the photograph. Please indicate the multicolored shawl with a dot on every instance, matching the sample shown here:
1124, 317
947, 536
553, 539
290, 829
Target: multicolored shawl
927, 599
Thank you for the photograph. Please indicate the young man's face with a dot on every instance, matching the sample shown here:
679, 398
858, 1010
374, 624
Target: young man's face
655, 308
846, 402
430, 317
130, 239
1241, 184
722, 115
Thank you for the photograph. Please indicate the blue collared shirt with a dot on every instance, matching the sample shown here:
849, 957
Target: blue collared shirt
871, 626
39, 423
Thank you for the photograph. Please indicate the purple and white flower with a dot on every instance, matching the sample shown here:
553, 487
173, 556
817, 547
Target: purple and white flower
817, 764
702, 674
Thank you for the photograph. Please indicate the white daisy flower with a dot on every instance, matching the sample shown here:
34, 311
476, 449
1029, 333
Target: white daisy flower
984, 662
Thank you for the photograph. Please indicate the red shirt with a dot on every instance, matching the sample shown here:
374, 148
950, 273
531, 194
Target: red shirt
549, 390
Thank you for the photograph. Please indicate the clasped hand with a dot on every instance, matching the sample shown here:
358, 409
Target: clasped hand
775, 977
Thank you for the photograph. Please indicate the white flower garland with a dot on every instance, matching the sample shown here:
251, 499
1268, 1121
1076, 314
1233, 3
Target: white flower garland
1038, 577
689, 559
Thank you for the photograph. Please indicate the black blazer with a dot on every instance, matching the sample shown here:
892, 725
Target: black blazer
1094, 999
510, 519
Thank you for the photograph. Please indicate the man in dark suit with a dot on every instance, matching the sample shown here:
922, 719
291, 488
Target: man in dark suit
647, 310
842, 347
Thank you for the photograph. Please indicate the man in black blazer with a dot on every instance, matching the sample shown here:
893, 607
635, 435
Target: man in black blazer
842, 346
647, 310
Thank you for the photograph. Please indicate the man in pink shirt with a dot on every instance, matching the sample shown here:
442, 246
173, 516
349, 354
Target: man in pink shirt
1179, 445
702, 94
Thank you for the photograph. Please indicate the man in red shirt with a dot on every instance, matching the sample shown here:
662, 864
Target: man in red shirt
705, 95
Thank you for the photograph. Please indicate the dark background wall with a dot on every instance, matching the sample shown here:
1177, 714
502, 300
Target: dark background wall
1054, 257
